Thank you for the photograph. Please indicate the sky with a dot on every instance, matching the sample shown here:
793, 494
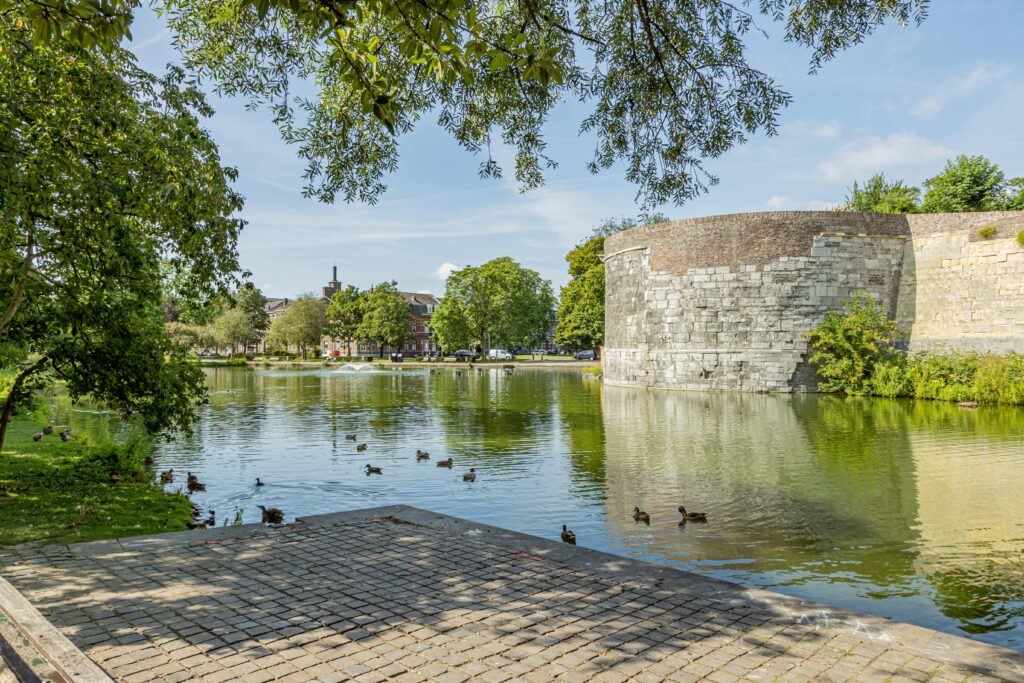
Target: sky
902, 103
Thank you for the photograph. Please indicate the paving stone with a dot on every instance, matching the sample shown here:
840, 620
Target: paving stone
371, 600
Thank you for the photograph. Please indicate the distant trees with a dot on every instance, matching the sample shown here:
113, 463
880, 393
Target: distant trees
967, 183
498, 303
385, 317
344, 315
879, 195
301, 325
610, 226
581, 304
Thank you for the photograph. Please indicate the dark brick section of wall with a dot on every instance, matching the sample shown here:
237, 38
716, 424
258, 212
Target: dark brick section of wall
746, 238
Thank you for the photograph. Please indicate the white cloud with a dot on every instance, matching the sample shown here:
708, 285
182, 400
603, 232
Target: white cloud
877, 154
444, 271
981, 75
827, 131
783, 202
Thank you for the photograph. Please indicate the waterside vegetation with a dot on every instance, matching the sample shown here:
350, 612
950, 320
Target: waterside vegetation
856, 354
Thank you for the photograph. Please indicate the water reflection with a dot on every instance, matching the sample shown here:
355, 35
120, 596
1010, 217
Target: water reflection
907, 510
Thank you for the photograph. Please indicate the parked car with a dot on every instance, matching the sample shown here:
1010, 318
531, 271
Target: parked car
499, 354
585, 355
464, 354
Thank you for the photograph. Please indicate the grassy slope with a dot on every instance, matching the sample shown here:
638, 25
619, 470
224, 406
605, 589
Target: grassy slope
50, 493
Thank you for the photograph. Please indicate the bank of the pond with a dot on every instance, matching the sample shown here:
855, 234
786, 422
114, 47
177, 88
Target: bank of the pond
61, 492
386, 363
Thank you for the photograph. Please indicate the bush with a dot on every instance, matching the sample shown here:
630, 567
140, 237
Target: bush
987, 232
848, 346
1020, 238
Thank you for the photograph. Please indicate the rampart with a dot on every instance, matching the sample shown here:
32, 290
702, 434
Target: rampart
723, 302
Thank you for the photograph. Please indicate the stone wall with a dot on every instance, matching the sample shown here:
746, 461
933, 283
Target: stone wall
723, 302
959, 291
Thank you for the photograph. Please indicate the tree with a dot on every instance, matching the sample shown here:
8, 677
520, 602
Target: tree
499, 302
581, 305
668, 82
610, 226
385, 317
344, 314
878, 195
967, 183
107, 181
234, 328
252, 302
301, 324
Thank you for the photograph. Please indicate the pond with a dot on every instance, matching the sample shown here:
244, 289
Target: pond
908, 510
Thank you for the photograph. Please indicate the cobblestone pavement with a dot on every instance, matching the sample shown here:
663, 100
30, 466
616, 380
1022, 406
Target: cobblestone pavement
400, 593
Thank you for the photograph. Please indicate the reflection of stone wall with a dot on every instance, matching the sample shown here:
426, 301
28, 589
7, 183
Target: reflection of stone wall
785, 479
723, 302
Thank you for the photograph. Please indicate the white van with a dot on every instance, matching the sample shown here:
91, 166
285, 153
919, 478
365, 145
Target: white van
499, 354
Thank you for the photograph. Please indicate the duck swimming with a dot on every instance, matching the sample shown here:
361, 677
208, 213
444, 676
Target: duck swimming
640, 516
692, 516
469, 476
445, 463
370, 469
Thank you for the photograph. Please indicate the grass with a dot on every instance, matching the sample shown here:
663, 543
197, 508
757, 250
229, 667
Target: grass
60, 492
987, 232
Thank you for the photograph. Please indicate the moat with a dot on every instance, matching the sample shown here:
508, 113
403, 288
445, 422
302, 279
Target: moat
907, 510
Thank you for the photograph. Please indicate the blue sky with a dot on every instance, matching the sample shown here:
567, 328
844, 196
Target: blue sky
901, 103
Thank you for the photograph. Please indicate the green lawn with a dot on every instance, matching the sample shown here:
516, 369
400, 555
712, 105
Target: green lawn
60, 492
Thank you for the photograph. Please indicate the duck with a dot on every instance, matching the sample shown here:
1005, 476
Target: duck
469, 476
167, 476
350, 437
370, 469
48, 429
445, 463
361, 447
568, 536
65, 436
196, 486
258, 482
149, 461
271, 515
692, 516
641, 516
210, 521
38, 436
422, 455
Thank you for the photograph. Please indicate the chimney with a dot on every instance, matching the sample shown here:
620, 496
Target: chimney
335, 278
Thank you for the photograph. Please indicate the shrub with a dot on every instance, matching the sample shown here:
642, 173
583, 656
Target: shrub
943, 377
890, 379
847, 346
987, 232
999, 379
1020, 238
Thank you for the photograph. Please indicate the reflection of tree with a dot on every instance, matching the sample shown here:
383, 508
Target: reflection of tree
492, 416
579, 405
986, 597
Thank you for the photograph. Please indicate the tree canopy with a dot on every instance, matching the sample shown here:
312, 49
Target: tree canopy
967, 183
108, 187
668, 83
498, 303
581, 304
385, 316
345, 313
301, 324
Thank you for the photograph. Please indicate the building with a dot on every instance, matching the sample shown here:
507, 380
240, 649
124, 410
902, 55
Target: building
420, 341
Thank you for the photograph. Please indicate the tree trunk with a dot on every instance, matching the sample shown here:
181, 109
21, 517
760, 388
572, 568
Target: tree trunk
5, 413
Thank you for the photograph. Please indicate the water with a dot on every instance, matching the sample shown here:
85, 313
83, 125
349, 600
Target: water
908, 510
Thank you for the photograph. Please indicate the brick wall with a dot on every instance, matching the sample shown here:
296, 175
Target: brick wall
723, 302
